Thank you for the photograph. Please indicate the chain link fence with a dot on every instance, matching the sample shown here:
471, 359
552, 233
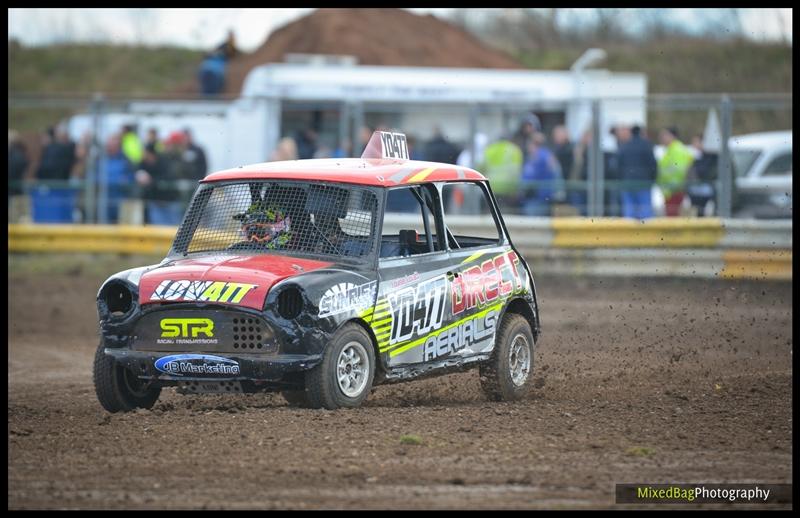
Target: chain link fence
740, 148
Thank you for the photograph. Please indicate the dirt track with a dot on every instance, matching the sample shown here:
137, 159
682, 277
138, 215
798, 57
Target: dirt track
637, 381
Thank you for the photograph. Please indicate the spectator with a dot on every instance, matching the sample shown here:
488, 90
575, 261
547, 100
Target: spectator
306, 141
577, 194
83, 158
611, 174
212, 74
117, 172
212, 69
131, 144
228, 47
183, 173
528, 126
285, 150
672, 170
324, 150
194, 155
439, 149
503, 168
344, 149
563, 149
541, 179
463, 200
58, 156
82, 152
638, 168
17, 163
702, 176
364, 134
414, 152
159, 189
153, 140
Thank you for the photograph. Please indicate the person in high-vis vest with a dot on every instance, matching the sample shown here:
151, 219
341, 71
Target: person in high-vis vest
502, 165
131, 145
673, 169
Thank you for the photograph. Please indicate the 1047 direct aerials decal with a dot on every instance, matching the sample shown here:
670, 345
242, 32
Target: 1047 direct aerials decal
408, 322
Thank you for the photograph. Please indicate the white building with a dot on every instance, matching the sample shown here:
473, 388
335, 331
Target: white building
280, 98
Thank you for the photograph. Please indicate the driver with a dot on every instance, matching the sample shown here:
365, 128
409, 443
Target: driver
265, 226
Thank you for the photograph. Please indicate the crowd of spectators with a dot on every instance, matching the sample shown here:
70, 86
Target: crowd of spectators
161, 173
536, 176
529, 173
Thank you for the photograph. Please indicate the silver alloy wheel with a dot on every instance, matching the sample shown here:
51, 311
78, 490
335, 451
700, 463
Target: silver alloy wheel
352, 369
519, 360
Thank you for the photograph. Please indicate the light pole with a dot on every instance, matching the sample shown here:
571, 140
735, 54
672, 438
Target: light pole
579, 112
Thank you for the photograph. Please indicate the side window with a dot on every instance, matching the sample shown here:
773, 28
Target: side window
409, 222
782, 164
466, 214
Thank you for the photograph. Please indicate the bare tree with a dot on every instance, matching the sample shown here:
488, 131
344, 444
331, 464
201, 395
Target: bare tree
608, 27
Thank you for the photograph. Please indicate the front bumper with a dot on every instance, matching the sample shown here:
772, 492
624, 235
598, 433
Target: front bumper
253, 367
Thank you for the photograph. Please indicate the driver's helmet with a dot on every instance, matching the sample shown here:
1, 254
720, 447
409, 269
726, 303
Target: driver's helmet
266, 225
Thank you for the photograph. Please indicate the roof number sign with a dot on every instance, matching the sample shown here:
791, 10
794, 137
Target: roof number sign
393, 145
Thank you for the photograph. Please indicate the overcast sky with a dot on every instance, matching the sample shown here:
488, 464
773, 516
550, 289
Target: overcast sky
205, 28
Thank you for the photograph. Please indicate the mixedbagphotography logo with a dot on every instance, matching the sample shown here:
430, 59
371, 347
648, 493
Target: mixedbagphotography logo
703, 493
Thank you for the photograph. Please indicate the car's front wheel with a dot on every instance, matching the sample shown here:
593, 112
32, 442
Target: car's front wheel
344, 377
119, 389
507, 375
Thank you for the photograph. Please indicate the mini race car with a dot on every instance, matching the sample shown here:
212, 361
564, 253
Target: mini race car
321, 279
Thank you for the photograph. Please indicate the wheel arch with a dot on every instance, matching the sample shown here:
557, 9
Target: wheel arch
520, 306
371, 333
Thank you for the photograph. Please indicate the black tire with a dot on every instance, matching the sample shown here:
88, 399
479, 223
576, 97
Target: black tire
117, 388
496, 376
323, 388
295, 398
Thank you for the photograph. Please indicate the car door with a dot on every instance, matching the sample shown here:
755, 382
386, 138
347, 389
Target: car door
412, 274
486, 271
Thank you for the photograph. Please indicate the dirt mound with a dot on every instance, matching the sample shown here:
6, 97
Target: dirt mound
391, 37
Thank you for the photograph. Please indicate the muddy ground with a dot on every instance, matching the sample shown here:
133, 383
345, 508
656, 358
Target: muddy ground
657, 381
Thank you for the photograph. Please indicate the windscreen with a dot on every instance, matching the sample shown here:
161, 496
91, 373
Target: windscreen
280, 217
743, 160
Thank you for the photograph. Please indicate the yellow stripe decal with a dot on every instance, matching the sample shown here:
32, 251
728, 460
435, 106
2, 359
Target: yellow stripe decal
473, 257
421, 175
381, 323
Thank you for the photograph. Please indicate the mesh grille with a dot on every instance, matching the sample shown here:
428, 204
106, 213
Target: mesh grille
268, 216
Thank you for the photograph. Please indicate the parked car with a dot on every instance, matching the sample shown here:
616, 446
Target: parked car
762, 168
295, 277
762, 165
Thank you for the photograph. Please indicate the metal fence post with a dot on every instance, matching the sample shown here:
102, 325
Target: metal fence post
97, 203
357, 114
344, 127
473, 131
725, 172
595, 180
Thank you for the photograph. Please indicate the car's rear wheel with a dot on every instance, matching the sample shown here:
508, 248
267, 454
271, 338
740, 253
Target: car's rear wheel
119, 389
507, 375
344, 377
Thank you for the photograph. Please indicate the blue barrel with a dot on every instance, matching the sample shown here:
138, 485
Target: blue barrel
53, 205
